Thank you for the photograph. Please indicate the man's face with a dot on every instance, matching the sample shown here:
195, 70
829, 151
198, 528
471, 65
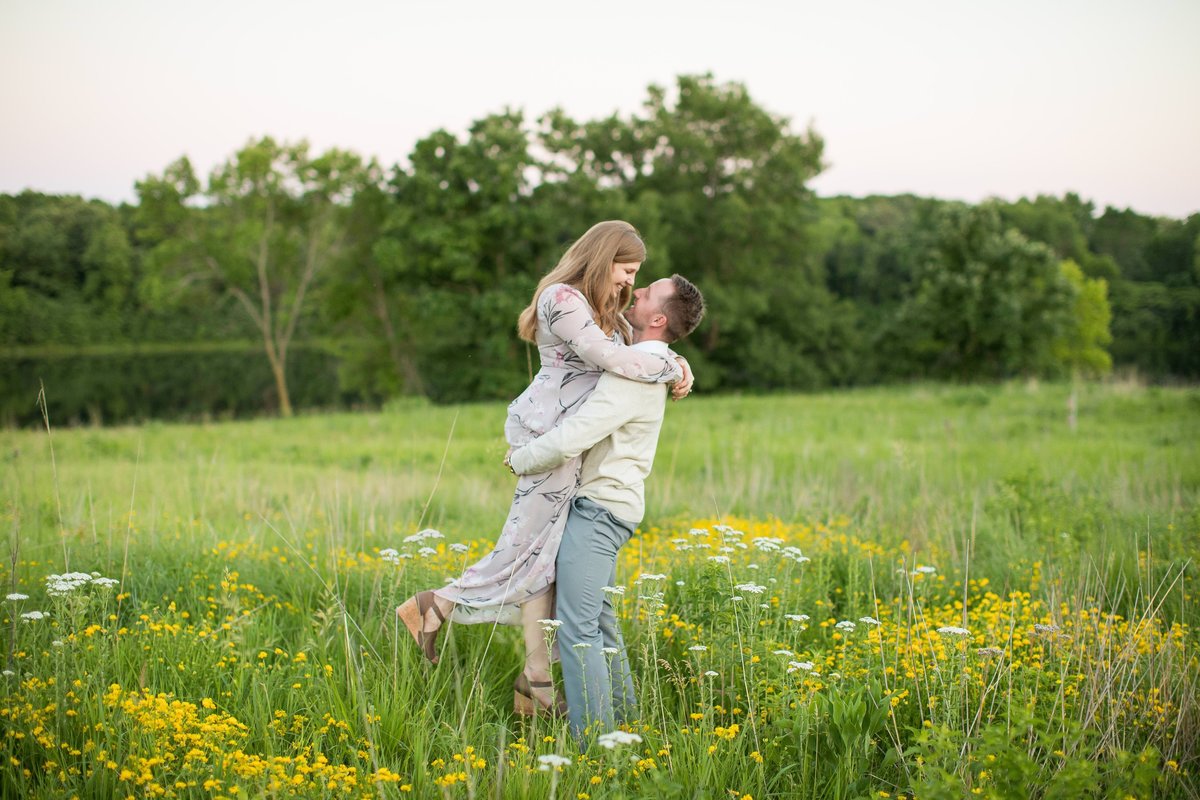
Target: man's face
648, 303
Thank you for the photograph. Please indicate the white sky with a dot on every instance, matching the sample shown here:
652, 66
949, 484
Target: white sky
947, 98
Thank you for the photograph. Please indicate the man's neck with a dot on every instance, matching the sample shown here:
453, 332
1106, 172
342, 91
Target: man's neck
647, 336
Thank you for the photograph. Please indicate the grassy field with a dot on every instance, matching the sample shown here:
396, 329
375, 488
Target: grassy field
930, 591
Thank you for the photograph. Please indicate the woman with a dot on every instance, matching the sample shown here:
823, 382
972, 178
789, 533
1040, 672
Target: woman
575, 320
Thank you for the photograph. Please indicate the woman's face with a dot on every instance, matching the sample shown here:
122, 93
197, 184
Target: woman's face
623, 273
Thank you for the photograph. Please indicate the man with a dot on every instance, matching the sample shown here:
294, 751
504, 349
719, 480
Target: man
618, 427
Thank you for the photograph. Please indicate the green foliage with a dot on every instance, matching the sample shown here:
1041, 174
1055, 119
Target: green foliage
1029, 757
1082, 346
417, 271
988, 302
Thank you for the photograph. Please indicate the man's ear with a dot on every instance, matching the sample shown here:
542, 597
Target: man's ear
660, 321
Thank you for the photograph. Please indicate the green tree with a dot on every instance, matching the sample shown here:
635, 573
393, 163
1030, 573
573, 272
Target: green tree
265, 229
1081, 347
723, 182
988, 302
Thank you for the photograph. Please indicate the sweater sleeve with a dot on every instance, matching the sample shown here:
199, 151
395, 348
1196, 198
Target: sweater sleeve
606, 410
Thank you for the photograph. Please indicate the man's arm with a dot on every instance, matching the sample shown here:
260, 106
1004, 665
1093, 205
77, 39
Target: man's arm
609, 407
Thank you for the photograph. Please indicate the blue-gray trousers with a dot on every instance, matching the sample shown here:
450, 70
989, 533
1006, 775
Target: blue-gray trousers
598, 686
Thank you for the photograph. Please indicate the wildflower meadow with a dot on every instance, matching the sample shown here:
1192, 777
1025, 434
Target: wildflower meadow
922, 592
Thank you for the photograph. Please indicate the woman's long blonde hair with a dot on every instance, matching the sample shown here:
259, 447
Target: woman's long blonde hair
587, 266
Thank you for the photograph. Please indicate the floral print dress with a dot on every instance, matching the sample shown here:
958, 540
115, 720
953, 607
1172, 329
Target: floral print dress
574, 351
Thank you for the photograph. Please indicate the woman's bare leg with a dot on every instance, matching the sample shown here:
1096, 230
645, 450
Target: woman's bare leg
537, 650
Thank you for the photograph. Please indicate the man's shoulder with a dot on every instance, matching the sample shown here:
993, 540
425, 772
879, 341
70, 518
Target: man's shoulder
614, 384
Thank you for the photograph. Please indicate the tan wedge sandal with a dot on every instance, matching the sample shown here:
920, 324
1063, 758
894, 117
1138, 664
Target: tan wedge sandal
412, 614
526, 705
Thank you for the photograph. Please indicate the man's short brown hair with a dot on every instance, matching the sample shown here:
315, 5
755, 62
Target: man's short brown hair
684, 309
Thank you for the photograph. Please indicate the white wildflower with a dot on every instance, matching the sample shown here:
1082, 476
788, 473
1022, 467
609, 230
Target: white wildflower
105, 583
710, 674
697, 648
648, 576
15, 596
783, 653
750, 588
425, 552
549, 625
698, 532
845, 625
581, 645
421, 536
552, 761
34, 616
459, 547
390, 555
719, 559
924, 570
990, 651
60, 585
951, 630
868, 620
614, 738
613, 591
796, 617
609, 651
794, 666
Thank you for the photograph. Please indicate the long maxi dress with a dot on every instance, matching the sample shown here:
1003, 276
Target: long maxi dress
574, 351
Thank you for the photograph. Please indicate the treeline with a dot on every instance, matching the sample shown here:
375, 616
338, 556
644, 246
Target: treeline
292, 279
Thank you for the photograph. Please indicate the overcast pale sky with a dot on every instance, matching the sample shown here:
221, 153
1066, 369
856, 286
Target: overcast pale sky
948, 98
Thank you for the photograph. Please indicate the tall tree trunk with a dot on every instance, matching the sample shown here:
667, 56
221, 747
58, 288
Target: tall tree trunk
279, 371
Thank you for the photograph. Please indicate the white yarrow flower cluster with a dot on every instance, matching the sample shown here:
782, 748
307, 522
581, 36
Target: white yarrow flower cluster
868, 620
795, 555
62, 585
613, 591
698, 648
795, 666
719, 559
924, 570
796, 617
750, 588
549, 625
17, 596
392, 555
951, 630
422, 536
845, 625
34, 616
649, 576
459, 547
613, 738
68, 582
552, 761
768, 544
425, 552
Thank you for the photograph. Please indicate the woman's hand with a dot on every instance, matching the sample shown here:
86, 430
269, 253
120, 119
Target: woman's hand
507, 463
684, 387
